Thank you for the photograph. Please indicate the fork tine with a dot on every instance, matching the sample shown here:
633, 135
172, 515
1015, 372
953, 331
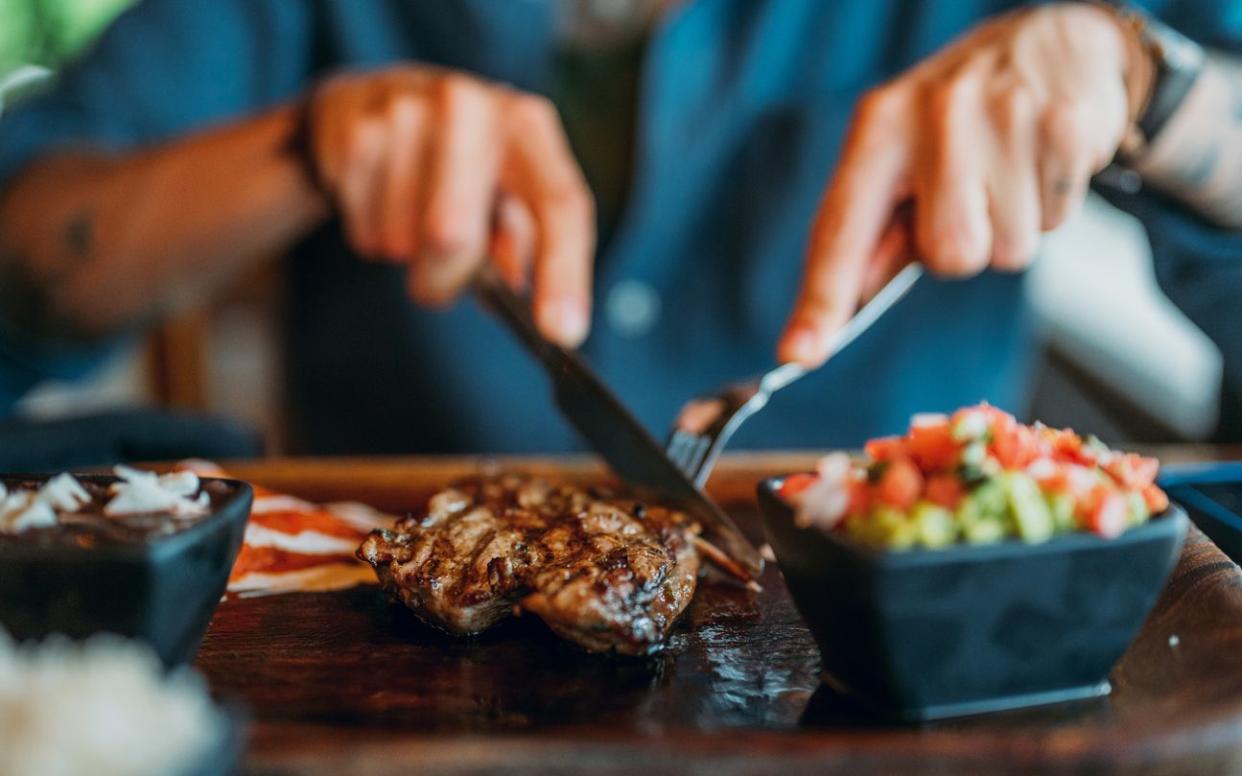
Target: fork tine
677, 448
698, 452
689, 456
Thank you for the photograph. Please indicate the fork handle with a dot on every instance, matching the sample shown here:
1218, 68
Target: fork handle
889, 295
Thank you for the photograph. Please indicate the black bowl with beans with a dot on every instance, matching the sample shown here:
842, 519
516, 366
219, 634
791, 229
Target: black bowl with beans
151, 577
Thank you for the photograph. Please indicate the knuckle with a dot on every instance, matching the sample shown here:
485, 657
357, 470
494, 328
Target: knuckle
1011, 107
533, 112
954, 253
425, 292
573, 198
1066, 129
1013, 253
948, 98
452, 90
881, 107
1055, 214
401, 107
444, 233
359, 236
360, 139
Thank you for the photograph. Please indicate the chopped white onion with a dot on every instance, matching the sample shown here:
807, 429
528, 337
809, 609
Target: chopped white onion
971, 426
1042, 468
826, 501
922, 419
64, 493
24, 510
141, 492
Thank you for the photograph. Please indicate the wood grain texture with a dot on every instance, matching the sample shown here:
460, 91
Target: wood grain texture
348, 683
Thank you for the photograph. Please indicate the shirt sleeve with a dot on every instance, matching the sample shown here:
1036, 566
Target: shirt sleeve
163, 68
1198, 264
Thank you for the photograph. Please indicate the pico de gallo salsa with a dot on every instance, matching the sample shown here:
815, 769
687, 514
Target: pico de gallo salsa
976, 476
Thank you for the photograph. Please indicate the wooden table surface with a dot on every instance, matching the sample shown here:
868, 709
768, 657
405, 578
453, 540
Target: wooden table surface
348, 683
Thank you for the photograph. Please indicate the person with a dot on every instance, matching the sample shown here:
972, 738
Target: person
747, 158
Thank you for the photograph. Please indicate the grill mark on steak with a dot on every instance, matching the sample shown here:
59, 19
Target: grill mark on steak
604, 573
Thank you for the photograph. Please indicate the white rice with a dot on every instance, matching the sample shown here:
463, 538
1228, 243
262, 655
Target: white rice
103, 707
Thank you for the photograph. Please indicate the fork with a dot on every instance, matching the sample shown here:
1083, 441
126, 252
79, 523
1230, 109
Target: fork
707, 422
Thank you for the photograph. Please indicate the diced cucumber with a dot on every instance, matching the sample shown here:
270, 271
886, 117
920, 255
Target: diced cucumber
975, 465
1062, 507
894, 529
979, 522
993, 500
970, 426
984, 532
1136, 509
1030, 512
885, 528
934, 524
1095, 445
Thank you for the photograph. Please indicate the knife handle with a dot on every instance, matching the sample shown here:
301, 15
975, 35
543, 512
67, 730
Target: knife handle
514, 312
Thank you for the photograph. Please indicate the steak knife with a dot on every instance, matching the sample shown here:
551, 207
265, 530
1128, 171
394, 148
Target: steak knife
609, 427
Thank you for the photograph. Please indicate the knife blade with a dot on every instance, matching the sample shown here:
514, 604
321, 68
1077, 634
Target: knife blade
610, 428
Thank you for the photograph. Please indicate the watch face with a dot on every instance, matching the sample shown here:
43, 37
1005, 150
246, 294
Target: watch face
1177, 51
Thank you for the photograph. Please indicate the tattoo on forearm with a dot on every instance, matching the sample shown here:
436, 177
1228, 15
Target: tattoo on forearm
79, 233
28, 298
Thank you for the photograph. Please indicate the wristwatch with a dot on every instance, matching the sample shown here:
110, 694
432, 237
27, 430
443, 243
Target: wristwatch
1177, 62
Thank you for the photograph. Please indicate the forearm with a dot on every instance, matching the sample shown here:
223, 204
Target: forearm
1197, 158
91, 244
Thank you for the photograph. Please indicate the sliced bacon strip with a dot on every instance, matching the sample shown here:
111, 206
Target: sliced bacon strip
272, 560
293, 545
319, 521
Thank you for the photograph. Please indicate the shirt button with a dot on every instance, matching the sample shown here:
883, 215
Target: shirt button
632, 308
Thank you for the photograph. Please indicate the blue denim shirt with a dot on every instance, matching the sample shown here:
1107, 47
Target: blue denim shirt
743, 106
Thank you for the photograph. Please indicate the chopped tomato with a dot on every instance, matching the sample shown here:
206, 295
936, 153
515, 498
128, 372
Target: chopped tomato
1157, 500
1051, 476
942, 457
885, 448
1133, 471
861, 497
1014, 445
1108, 517
932, 446
901, 484
996, 416
796, 483
1068, 446
946, 490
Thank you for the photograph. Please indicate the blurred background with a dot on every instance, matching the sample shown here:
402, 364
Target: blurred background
1138, 371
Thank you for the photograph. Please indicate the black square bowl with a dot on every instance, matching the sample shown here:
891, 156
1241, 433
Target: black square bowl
925, 634
161, 591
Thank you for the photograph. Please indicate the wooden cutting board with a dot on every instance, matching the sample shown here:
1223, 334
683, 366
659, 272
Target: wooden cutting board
349, 683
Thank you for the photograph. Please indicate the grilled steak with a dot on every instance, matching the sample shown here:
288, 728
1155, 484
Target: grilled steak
607, 574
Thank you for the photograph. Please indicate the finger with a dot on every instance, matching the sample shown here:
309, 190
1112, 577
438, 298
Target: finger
893, 252
541, 171
952, 228
1013, 185
856, 207
401, 175
1066, 162
461, 190
513, 241
356, 192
